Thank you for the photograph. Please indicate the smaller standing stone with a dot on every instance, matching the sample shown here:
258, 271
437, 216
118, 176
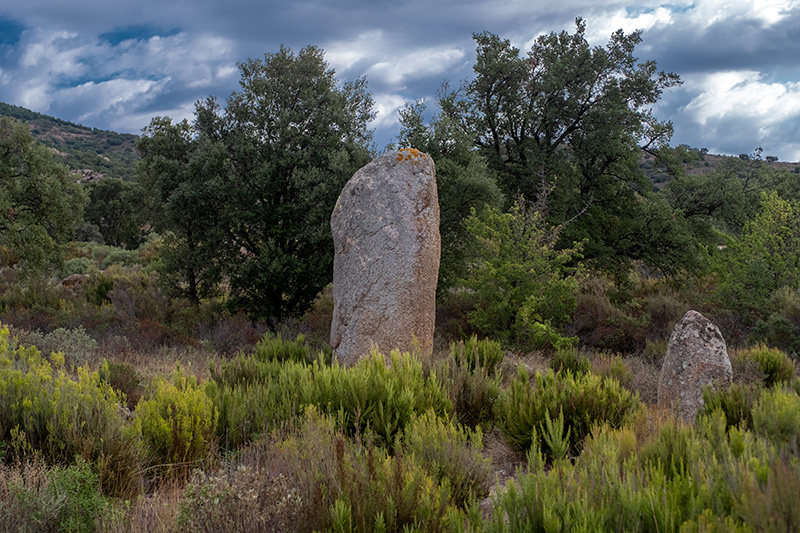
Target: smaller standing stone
696, 357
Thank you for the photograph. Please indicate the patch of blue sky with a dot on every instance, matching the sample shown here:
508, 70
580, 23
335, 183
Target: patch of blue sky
10, 31
139, 33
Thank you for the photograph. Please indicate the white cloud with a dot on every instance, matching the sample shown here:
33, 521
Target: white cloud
344, 55
415, 64
386, 106
741, 94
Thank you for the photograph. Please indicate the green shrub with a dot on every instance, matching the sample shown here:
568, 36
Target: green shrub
77, 265
76, 345
474, 354
525, 286
124, 379
775, 364
46, 411
776, 416
471, 380
126, 258
736, 401
521, 410
569, 360
176, 421
36, 498
255, 393
449, 451
270, 485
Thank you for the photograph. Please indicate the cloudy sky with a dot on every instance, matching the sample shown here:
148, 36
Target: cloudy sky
115, 64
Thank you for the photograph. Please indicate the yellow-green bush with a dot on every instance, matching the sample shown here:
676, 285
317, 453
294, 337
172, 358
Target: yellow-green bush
449, 452
176, 420
47, 411
257, 393
522, 409
775, 364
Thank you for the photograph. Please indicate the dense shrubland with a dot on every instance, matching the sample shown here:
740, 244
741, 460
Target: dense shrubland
168, 371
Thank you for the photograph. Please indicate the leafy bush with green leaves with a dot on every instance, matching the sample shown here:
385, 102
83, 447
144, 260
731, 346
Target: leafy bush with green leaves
526, 287
522, 409
76, 345
47, 411
176, 421
76, 265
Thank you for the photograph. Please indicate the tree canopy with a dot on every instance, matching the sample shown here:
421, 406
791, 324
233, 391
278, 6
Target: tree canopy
572, 119
40, 203
267, 171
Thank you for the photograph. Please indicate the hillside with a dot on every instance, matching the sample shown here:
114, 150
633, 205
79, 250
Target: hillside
79, 147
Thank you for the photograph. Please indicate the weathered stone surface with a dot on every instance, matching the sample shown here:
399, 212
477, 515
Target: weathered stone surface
386, 263
696, 357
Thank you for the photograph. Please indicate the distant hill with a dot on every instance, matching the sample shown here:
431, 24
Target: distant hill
699, 161
80, 148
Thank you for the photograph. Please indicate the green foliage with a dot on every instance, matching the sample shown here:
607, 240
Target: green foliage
117, 208
258, 392
40, 202
776, 365
34, 498
449, 451
125, 258
176, 421
736, 401
781, 328
530, 130
765, 258
47, 411
524, 286
74, 344
249, 190
570, 360
523, 408
471, 379
776, 416
76, 265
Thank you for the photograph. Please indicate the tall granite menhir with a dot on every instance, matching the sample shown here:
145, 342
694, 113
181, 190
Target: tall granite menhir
386, 263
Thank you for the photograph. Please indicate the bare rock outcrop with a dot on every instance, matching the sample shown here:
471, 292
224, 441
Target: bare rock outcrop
386, 263
696, 356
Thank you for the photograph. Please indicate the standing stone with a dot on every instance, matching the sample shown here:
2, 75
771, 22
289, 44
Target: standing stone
386, 263
696, 357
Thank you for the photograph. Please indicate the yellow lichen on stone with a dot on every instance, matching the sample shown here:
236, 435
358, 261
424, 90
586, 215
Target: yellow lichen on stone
409, 154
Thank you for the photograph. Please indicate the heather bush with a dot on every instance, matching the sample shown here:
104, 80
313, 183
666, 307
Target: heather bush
675, 478
270, 487
76, 345
34, 497
776, 416
176, 421
471, 379
776, 365
47, 411
569, 360
449, 451
583, 401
